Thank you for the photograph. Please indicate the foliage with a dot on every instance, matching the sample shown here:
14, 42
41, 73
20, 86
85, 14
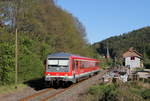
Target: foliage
6, 63
105, 63
29, 69
146, 94
104, 92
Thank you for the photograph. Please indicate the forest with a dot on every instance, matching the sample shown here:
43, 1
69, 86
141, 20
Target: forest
138, 39
43, 28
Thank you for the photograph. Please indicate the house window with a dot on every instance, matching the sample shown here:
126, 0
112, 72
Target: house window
132, 58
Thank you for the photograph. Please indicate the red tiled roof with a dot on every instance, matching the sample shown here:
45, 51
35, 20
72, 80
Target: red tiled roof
131, 53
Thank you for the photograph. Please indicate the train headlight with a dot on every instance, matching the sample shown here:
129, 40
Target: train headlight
66, 74
48, 75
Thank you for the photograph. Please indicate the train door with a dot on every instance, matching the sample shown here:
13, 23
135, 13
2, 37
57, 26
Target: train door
75, 69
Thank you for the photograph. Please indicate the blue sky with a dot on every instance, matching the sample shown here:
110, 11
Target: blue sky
105, 18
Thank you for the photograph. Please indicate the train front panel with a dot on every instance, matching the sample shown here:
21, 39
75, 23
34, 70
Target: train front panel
58, 69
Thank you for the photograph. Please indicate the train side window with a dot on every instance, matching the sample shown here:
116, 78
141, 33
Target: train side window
97, 64
86, 64
81, 64
73, 64
76, 64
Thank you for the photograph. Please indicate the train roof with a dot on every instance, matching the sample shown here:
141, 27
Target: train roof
62, 54
65, 55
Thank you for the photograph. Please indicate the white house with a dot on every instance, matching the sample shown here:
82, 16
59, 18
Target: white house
132, 59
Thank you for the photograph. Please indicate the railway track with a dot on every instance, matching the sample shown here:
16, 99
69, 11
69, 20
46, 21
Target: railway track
46, 94
36, 94
55, 94
50, 93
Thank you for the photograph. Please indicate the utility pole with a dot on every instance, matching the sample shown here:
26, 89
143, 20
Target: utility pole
16, 58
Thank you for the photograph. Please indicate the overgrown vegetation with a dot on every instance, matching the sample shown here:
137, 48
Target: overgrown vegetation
139, 39
105, 62
131, 91
43, 28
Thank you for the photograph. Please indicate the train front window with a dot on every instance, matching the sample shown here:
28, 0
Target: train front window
58, 65
52, 62
63, 62
58, 62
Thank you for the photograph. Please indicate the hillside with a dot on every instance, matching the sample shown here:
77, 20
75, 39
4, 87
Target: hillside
43, 28
139, 39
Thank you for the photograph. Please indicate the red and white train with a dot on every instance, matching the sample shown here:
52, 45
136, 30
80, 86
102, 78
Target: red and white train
68, 67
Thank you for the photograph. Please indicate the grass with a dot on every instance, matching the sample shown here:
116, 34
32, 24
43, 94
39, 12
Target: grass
11, 88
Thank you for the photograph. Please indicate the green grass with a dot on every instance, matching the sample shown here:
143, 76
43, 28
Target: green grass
11, 88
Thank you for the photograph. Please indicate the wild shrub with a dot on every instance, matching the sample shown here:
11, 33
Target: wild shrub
106, 92
146, 94
7, 63
130, 91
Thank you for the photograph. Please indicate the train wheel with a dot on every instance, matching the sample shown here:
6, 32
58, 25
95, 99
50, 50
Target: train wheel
51, 83
90, 75
77, 80
46, 84
57, 83
63, 84
74, 78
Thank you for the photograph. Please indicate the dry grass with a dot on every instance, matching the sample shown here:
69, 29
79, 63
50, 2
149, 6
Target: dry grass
11, 88
144, 85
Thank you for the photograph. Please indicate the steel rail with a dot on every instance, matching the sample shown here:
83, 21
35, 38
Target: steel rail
34, 95
51, 96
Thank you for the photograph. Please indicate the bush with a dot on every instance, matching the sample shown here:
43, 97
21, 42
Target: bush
106, 92
7, 63
30, 63
146, 94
